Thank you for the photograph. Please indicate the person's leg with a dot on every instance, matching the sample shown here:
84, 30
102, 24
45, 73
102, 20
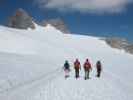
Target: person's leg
88, 74
77, 73
98, 73
67, 73
85, 74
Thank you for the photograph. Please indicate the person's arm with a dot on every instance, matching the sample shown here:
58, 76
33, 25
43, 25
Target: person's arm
69, 66
90, 66
74, 65
84, 65
80, 66
101, 67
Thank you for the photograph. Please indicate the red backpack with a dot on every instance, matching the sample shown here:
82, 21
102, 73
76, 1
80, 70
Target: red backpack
77, 65
87, 66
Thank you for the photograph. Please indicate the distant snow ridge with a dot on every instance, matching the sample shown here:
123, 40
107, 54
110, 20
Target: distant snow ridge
120, 43
21, 19
58, 24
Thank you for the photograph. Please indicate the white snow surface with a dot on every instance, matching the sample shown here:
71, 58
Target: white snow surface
31, 66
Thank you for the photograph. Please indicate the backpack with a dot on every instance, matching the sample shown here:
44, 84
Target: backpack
87, 66
77, 65
99, 65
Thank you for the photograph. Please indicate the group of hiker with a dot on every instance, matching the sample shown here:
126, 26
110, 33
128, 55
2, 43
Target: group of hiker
86, 66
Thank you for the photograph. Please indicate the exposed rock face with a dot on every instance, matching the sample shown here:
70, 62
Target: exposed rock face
120, 44
117, 42
129, 48
57, 23
21, 20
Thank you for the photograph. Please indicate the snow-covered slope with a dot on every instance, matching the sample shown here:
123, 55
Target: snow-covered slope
31, 66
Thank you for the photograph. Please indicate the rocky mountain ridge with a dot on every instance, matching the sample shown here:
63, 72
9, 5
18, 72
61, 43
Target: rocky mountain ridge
22, 20
57, 23
120, 43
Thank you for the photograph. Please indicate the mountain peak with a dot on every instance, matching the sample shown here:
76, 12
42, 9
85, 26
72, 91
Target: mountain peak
58, 23
21, 19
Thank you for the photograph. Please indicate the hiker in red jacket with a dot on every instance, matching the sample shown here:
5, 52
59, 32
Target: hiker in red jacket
77, 66
99, 68
87, 68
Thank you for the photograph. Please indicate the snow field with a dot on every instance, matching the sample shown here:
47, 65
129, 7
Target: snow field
31, 66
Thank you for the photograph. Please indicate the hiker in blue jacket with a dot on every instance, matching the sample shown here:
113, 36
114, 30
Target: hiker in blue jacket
66, 68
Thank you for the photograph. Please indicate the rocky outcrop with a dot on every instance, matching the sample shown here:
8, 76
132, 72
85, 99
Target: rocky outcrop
120, 44
57, 23
129, 48
116, 42
21, 20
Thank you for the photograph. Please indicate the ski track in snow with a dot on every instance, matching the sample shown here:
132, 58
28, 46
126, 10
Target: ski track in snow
80, 89
59, 88
45, 77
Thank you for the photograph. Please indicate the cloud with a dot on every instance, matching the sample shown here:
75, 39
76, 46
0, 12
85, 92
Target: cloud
93, 6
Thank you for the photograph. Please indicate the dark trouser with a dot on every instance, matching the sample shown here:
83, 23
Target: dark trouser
98, 73
76, 73
87, 74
